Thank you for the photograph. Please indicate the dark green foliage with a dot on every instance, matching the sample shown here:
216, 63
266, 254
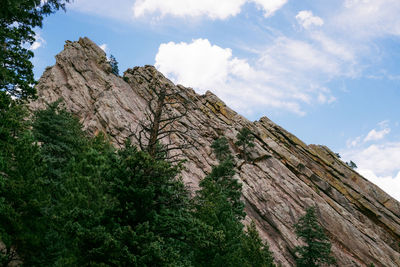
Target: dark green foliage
21, 200
245, 141
18, 18
12, 122
218, 205
74, 176
152, 210
351, 164
254, 251
18, 170
70, 200
221, 148
60, 136
318, 248
114, 65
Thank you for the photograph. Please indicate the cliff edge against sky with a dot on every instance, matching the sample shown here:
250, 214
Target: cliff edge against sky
284, 177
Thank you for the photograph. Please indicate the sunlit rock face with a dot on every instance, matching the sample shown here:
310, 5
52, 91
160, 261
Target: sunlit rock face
283, 178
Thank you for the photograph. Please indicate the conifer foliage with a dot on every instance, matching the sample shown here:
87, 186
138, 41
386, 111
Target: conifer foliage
318, 248
245, 141
218, 204
18, 18
67, 199
114, 65
254, 250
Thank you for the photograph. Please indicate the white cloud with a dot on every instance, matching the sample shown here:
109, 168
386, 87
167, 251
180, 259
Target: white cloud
306, 19
39, 41
270, 6
343, 51
375, 135
199, 64
382, 159
378, 162
390, 184
103, 47
195, 8
369, 18
353, 142
129, 9
263, 83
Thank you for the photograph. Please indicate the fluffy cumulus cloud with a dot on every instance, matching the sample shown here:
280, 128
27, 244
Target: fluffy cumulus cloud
208, 8
199, 64
306, 19
263, 83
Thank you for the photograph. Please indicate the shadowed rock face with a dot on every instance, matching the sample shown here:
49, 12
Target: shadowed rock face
284, 178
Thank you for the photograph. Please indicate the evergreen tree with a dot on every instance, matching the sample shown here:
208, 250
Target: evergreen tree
60, 136
351, 164
18, 18
220, 148
114, 65
75, 166
218, 205
22, 224
245, 141
255, 252
152, 218
318, 248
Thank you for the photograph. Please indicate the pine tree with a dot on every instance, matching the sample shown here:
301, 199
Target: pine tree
18, 18
74, 170
218, 205
255, 253
22, 224
351, 164
114, 65
60, 136
318, 248
245, 141
152, 217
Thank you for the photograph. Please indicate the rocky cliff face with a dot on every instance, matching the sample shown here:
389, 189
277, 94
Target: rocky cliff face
284, 178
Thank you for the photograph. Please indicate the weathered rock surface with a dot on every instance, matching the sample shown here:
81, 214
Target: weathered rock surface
285, 177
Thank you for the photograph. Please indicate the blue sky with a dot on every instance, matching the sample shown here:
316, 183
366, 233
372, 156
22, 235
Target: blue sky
327, 71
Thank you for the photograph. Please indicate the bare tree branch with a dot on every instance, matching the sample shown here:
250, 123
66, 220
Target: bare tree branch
165, 109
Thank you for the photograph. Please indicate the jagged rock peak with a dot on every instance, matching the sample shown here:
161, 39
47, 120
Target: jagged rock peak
284, 177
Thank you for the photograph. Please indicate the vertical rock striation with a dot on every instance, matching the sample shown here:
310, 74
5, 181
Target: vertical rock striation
284, 177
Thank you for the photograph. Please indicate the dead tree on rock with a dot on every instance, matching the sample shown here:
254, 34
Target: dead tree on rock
154, 134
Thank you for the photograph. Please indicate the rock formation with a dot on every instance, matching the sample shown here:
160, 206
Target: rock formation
284, 177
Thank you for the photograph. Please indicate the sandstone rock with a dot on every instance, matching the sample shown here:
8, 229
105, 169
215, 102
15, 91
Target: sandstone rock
285, 177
